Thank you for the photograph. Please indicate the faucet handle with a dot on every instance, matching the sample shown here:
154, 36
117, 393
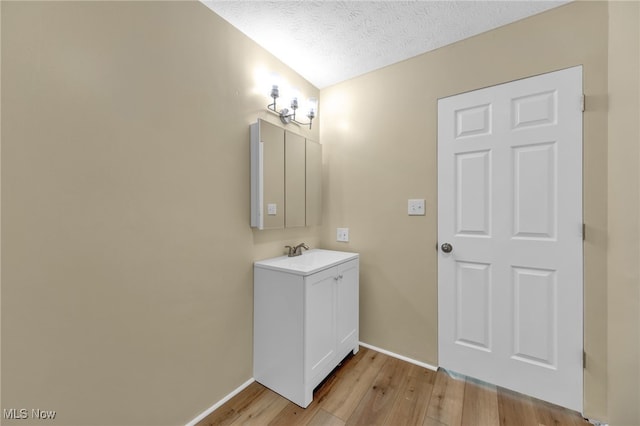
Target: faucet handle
291, 250
297, 250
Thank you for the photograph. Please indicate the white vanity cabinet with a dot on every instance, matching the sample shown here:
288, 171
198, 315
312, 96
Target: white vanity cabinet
305, 320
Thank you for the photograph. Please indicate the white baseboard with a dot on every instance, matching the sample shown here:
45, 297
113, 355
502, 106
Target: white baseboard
251, 380
217, 405
402, 357
596, 422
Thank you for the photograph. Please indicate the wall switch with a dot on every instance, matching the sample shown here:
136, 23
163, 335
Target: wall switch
272, 209
342, 235
416, 207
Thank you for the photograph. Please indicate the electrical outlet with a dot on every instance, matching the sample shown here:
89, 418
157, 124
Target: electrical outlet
416, 207
342, 235
272, 209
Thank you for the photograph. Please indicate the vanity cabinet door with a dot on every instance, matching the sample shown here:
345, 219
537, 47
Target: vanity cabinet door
347, 288
320, 327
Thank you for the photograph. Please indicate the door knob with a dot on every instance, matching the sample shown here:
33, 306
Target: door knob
446, 248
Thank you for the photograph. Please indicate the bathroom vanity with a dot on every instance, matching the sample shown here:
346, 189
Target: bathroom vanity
305, 319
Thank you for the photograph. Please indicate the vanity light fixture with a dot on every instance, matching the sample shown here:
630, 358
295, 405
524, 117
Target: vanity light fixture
287, 116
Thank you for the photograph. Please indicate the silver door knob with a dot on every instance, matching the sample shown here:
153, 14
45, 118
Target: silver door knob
446, 248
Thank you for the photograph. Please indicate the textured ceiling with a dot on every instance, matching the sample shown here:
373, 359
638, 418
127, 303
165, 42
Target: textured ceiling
331, 41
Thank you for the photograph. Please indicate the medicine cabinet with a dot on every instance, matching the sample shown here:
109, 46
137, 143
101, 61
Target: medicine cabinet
286, 178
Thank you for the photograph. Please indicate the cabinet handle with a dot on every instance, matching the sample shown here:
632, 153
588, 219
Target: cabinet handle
340, 276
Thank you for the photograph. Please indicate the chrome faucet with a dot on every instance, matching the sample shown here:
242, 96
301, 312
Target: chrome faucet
297, 250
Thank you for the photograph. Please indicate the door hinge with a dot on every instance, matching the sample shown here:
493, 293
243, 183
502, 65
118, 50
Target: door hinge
583, 102
584, 360
584, 232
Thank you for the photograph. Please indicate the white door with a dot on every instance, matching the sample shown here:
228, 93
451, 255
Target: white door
510, 213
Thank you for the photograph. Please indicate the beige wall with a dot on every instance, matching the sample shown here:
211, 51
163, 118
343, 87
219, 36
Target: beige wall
379, 136
127, 252
624, 211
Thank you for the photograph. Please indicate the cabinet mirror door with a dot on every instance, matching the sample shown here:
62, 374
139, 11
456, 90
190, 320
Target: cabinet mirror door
272, 138
294, 180
314, 183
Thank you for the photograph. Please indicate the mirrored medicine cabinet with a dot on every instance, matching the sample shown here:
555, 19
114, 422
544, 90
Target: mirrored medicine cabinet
286, 178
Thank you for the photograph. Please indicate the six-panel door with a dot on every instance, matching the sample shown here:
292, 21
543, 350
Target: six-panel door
510, 205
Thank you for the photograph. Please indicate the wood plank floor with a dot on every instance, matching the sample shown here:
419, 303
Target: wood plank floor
371, 388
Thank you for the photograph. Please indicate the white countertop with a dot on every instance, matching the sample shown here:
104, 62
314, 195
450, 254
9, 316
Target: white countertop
308, 262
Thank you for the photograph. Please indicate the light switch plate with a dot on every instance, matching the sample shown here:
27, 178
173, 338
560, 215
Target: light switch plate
342, 235
272, 209
416, 207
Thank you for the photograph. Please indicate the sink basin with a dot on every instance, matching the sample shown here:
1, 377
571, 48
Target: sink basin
308, 262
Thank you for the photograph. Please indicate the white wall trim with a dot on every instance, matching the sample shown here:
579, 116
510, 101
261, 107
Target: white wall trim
596, 422
402, 357
217, 405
